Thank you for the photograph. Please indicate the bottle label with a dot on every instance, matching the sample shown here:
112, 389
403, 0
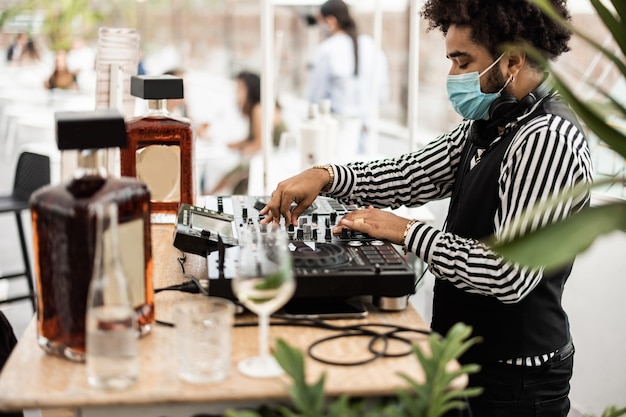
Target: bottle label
131, 241
159, 167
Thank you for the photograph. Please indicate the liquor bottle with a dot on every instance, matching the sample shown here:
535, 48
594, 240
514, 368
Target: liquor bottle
111, 346
160, 147
64, 222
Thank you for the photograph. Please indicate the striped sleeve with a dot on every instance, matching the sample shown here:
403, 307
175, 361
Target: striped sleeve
547, 156
411, 179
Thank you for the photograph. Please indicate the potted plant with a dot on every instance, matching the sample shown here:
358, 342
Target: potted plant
433, 398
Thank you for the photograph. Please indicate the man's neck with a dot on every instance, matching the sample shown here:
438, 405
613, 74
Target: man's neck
525, 83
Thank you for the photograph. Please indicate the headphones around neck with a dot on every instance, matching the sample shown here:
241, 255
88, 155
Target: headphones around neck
502, 111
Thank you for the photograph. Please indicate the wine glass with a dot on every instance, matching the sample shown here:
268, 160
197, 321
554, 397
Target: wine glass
263, 283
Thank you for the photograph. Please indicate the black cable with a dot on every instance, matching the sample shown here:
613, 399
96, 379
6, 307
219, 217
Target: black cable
194, 285
361, 330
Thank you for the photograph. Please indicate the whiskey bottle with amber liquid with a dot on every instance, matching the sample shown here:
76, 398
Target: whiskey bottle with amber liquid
64, 226
160, 147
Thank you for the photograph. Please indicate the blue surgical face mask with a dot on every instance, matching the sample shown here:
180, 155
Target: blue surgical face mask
466, 97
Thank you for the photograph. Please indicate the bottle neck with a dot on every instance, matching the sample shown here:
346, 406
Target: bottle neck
157, 108
91, 163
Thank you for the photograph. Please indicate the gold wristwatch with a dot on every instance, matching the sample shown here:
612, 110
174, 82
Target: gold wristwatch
331, 173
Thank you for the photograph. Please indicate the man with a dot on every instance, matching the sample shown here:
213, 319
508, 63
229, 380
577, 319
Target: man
517, 145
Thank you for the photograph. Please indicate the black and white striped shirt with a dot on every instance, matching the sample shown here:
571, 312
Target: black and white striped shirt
547, 155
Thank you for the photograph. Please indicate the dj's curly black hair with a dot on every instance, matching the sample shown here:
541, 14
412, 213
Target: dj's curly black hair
494, 23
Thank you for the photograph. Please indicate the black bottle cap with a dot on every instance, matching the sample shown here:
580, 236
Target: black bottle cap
90, 129
156, 87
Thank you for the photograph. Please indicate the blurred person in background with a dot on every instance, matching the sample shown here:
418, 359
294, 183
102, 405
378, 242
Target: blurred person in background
342, 72
61, 77
248, 96
14, 52
81, 61
30, 53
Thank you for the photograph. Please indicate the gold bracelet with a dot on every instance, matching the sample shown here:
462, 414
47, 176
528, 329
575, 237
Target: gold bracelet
406, 232
331, 173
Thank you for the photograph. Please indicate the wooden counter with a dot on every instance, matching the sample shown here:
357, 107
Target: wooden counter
34, 380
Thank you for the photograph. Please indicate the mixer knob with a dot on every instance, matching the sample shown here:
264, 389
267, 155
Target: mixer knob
300, 234
314, 237
328, 235
333, 217
344, 234
244, 212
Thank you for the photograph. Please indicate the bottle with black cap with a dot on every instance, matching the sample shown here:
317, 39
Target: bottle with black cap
160, 147
64, 220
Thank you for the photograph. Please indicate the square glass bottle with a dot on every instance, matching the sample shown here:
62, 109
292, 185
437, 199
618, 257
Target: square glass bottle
160, 149
64, 220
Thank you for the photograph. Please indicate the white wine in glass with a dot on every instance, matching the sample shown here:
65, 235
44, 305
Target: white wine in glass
263, 283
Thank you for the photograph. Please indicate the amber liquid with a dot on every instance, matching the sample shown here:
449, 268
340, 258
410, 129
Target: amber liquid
64, 238
157, 130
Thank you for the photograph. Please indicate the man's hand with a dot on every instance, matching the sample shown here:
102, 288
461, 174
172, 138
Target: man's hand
301, 189
377, 223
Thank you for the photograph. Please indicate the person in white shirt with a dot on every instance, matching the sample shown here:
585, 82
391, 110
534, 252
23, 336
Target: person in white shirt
343, 73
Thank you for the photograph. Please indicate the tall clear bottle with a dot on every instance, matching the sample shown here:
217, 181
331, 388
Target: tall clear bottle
331, 127
160, 149
311, 137
64, 230
112, 357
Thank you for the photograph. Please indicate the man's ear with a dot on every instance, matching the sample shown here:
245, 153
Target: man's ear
516, 60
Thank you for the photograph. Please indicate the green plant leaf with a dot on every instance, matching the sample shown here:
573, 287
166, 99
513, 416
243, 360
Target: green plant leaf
589, 114
555, 245
614, 412
290, 359
611, 411
547, 8
615, 138
240, 413
435, 396
272, 281
617, 28
620, 8
429, 399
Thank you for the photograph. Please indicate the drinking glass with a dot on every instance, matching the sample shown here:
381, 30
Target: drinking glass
263, 283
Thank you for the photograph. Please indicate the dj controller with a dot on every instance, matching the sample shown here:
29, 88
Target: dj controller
326, 265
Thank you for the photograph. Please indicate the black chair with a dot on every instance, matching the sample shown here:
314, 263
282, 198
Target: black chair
32, 172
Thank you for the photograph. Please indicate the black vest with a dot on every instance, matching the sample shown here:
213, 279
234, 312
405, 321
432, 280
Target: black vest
537, 324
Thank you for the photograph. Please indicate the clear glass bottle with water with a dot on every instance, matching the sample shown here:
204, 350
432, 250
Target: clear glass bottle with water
112, 330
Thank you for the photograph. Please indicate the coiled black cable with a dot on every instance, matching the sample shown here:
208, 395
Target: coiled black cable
195, 285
